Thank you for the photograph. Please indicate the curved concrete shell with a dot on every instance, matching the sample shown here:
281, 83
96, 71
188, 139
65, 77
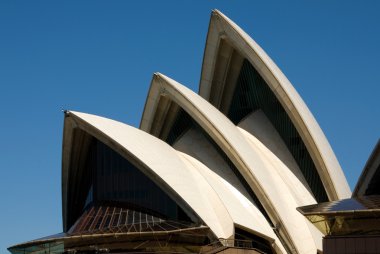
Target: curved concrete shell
226, 47
267, 184
229, 165
158, 161
238, 206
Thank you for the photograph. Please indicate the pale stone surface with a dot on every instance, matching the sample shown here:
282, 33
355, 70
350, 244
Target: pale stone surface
194, 144
327, 165
259, 153
197, 178
302, 195
275, 195
164, 166
258, 125
239, 207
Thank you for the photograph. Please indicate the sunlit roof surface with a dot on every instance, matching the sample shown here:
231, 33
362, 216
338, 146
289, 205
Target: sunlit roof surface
359, 215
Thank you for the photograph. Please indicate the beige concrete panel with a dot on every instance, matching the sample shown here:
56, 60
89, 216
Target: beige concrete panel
317, 236
239, 207
258, 125
150, 108
208, 194
301, 194
230, 83
320, 150
267, 185
163, 165
221, 70
209, 59
196, 145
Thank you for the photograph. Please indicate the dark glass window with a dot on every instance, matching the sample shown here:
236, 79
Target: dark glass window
106, 177
374, 185
90, 197
251, 94
181, 124
117, 179
246, 239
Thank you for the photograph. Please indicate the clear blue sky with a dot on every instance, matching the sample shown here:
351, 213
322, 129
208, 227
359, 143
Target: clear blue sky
99, 56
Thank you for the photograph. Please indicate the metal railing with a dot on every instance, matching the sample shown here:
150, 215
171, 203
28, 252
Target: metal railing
222, 244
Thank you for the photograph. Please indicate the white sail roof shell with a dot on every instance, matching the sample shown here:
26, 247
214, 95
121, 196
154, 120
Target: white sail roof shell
241, 210
221, 27
278, 190
166, 166
272, 191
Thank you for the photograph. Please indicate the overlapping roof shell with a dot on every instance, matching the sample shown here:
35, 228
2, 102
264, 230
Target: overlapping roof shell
218, 198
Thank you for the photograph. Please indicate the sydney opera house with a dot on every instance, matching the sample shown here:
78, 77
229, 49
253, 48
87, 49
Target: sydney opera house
221, 171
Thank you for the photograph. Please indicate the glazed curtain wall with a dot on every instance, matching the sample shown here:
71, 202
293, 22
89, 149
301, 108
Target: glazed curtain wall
252, 93
111, 179
116, 179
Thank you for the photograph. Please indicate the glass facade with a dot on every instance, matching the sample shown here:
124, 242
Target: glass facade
110, 178
113, 219
254, 241
181, 124
251, 94
56, 247
116, 179
374, 184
